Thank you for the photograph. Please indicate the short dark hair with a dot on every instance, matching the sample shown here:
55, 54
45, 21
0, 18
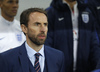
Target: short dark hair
1, 0
24, 17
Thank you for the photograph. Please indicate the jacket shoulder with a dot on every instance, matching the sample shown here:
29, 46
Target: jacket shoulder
10, 53
53, 51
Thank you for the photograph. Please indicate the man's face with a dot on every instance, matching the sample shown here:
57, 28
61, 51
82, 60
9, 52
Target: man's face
37, 28
9, 7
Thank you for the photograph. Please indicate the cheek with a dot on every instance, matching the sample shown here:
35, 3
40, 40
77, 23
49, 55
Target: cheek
6, 7
33, 31
6, 10
46, 29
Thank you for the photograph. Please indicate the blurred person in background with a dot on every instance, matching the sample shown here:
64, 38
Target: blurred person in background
71, 29
11, 34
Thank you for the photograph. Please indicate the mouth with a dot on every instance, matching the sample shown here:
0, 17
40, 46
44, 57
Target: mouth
14, 11
41, 37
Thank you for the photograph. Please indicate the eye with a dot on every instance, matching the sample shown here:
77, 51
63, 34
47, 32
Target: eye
10, 1
36, 24
46, 24
17, 2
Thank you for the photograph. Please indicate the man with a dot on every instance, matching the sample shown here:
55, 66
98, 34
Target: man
71, 29
22, 59
11, 34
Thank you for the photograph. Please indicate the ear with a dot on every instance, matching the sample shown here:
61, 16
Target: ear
1, 3
24, 28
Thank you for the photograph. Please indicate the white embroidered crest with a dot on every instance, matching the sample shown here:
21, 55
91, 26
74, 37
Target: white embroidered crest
19, 37
85, 17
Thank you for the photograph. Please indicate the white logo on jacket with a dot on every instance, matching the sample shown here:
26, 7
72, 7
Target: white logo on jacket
98, 7
60, 19
85, 17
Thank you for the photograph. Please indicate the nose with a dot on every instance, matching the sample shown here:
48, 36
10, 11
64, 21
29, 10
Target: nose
15, 5
43, 28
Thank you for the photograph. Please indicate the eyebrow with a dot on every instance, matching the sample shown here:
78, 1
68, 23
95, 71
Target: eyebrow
37, 22
44, 22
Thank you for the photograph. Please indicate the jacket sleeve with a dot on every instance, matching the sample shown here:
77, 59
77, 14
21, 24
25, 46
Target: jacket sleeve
3, 67
97, 70
94, 48
98, 65
50, 35
93, 5
62, 64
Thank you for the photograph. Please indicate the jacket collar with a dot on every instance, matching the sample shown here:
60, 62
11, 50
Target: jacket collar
50, 61
25, 63
23, 58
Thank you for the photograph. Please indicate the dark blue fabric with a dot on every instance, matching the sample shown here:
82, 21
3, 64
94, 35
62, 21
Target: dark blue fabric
98, 65
31, 68
94, 5
98, 70
60, 36
16, 60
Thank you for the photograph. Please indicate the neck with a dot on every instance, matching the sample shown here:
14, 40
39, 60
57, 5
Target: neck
9, 18
37, 48
71, 4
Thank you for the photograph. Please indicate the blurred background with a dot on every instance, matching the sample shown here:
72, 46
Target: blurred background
24, 4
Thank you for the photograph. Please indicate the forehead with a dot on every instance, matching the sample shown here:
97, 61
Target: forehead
37, 15
9, 0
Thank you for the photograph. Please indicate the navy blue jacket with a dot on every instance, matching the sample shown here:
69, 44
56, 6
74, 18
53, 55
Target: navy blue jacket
16, 60
94, 5
60, 36
97, 67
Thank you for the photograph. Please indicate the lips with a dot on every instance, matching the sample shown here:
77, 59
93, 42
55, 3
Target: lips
14, 11
41, 37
